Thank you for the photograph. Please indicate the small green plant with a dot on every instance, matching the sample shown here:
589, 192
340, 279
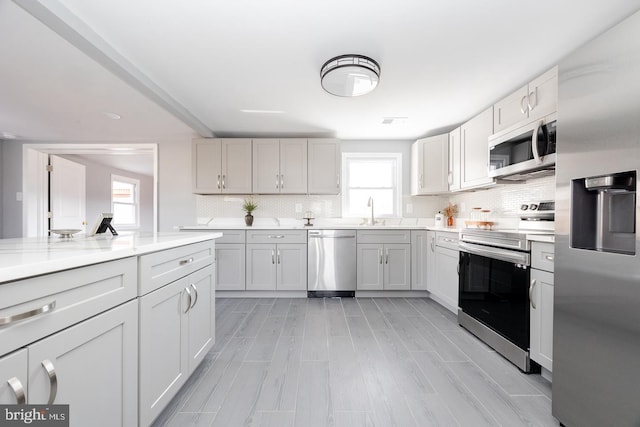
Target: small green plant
249, 205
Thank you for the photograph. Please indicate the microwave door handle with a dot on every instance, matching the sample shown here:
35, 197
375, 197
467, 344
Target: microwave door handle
534, 144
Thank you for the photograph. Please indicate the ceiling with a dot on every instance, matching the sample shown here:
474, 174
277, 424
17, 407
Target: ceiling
178, 69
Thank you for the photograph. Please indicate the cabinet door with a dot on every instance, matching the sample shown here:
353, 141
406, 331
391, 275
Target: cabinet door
164, 362
370, 275
291, 262
397, 267
95, 364
543, 94
431, 261
435, 152
324, 166
261, 267
293, 166
446, 285
454, 160
541, 318
230, 266
511, 110
266, 166
13, 378
202, 319
419, 248
236, 166
475, 150
206, 163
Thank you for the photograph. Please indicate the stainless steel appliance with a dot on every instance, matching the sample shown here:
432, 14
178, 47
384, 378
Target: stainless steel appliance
331, 267
527, 152
596, 334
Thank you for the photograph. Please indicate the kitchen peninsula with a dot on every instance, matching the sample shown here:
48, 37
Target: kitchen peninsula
110, 325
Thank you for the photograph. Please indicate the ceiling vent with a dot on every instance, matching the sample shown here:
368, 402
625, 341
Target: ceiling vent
350, 75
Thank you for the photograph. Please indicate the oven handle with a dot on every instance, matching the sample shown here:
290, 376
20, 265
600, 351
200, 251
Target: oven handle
496, 253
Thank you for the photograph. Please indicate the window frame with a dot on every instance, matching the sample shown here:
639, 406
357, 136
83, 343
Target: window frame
136, 203
396, 158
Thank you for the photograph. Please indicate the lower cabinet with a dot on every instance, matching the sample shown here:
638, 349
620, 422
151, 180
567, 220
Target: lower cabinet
419, 263
281, 266
443, 287
384, 266
177, 325
91, 366
541, 304
230, 266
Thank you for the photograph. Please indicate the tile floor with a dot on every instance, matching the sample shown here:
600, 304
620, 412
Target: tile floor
353, 362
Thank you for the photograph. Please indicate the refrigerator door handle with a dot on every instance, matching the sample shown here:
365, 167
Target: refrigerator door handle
533, 284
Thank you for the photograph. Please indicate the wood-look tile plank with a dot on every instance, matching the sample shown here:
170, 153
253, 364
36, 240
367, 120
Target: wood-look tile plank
246, 305
347, 384
253, 322
351, 307
431, 410
440, 317
266, 301
438, 340
273, 419
226, 326
537, 408
337, 323
354, 419
280, 388
359, 327
385, 305
315, 306
314, 344
280, 307
265, 343
315, 403
409, 333
405, 307
239, 406
191, 419
464, 406
373, 314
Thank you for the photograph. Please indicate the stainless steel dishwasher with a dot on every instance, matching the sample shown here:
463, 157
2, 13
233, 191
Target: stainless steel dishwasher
331, 266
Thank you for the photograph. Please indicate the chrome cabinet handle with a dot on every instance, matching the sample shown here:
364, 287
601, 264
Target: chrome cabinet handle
195, 292
276, 236
277, 181
533, 284
523, 106
27, 314
281, 182
433, 244
386, 258
549, 257
18, 390
190, 299
278, 256
337, 181
223, 181
53, 379
532, 104
218, 181
273, 257
380, 254
186, 261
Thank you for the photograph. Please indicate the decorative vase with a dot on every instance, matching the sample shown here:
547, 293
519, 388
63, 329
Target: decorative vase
248, 219
449, 221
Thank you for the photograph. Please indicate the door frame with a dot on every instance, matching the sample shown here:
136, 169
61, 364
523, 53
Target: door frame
35, 185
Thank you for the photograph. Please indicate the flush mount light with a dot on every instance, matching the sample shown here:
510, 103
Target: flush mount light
350, 75
113, 116
7, 135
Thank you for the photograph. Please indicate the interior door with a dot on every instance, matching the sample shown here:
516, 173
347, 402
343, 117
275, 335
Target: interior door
67, 194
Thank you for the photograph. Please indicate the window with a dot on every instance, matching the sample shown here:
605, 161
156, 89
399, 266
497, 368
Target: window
374, 175
125, 201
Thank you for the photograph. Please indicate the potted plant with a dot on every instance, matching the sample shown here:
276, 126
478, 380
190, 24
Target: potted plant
249, 206
449, 212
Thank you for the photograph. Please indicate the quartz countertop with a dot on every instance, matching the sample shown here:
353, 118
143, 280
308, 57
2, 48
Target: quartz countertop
32, 256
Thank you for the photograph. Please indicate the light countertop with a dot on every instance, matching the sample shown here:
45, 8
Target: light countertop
32, 256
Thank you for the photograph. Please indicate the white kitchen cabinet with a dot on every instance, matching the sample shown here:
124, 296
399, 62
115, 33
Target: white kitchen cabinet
14, 377
444, 288
177, 329
324, 166
534, 100
431, 260
419, 263
383, 260
280, 166
95, 366
230, 266
454, 160
274, 266
474, 151
430, 165
541, 304
221, 166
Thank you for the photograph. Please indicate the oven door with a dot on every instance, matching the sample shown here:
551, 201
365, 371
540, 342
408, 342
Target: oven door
495, 292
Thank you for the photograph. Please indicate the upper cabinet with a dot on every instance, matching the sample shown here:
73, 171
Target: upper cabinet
531, 102
430, 165
221, 166
324, 166
474, 151
280, 166
454, 160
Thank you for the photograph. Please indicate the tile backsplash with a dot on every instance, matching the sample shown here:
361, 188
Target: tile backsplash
502, 200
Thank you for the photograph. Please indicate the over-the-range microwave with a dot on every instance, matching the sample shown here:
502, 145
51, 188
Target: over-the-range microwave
526, 152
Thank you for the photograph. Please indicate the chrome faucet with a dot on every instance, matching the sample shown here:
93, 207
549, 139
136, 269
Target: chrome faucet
372, 220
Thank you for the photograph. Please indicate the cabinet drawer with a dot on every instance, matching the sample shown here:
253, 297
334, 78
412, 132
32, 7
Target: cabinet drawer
447, 239
231, 236
542, 256
58, 300
277, 236
384, 236
161, 268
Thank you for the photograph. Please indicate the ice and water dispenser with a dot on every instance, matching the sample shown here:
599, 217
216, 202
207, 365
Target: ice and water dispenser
603, 213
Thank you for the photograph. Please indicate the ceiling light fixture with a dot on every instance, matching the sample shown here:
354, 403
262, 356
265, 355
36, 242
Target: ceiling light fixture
112, 116
262, 111
7, 135
350, 75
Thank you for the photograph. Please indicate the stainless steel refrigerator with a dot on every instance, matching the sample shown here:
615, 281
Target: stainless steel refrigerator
596, 353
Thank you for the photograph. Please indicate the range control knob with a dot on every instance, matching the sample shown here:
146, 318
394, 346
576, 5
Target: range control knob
524, 207
533, 207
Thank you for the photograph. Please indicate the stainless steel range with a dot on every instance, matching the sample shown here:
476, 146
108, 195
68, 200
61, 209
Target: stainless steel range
494, 283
